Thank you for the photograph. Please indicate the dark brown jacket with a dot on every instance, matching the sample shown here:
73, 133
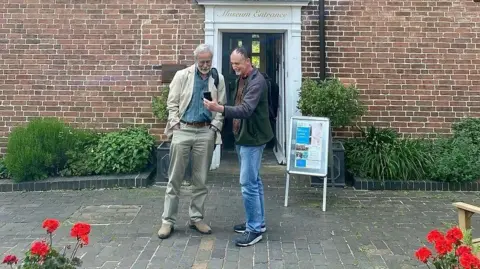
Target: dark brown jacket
255, 128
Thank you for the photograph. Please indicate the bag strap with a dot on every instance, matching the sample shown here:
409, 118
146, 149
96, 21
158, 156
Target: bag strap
215, 77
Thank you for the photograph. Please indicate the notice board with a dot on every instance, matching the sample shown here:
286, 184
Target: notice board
308, 146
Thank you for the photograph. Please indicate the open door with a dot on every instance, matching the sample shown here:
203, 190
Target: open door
281, 122
230, 42
268, 52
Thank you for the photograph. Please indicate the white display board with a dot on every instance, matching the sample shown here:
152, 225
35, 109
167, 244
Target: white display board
308, 149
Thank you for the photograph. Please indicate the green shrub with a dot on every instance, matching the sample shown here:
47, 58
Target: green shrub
468, 128
380, 154
159, 105
25, 159
38, 150
125, 151
331, 99
3, 169
456, 160
80, 155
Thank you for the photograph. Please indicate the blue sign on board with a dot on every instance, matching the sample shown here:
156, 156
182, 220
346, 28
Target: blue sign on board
303, 135
302, 163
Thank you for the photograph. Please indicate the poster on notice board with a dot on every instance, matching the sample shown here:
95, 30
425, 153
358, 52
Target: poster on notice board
309, 138
308, 146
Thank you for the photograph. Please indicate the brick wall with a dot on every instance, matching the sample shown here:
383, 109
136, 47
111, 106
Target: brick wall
416, 61
310, 41
90, 63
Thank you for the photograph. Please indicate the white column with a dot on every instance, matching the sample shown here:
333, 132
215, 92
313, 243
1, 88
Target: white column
209, 29
294, 64
210, 39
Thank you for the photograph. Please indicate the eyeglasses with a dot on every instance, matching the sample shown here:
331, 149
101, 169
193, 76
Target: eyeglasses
203, 62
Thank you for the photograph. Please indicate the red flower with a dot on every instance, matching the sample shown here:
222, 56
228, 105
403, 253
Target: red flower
463, 250
443, 246
84, 239
51, 225
433, 236
10, 259
80, 229
423, 254
39, 248
454, 235
469, 261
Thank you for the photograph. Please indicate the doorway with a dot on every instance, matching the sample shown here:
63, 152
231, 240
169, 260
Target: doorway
267, 51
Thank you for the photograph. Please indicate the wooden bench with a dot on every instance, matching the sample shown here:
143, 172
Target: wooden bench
465, 212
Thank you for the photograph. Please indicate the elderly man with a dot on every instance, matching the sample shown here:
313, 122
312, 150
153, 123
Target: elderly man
193, 129
252, 131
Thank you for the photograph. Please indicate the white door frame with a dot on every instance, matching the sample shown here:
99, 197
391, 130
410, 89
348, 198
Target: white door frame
281, 122
289, 23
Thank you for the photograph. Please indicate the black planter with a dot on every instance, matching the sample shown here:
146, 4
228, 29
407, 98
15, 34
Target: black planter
163, 162
418, 185
338, 165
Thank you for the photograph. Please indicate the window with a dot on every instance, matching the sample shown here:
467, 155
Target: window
256, 50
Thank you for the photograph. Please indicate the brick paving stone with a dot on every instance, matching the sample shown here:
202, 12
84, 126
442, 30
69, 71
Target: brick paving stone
215, 264
230, 265
360, 229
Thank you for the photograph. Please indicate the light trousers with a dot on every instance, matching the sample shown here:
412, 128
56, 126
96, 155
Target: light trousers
200, 141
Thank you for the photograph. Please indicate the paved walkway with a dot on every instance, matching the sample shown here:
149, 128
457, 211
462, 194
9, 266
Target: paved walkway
359, 230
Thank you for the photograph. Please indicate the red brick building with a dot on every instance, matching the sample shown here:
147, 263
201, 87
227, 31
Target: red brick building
98, 63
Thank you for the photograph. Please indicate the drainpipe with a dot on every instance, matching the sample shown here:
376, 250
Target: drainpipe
321, 35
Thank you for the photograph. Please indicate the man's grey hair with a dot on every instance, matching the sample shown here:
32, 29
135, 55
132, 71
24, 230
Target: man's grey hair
202, 48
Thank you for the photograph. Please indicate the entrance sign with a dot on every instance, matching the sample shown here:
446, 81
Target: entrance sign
253, 14
308, 149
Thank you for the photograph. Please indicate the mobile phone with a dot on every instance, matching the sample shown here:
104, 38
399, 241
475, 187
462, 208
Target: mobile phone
207, 95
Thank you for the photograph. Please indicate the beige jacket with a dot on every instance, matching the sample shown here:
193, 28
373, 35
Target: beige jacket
180, 94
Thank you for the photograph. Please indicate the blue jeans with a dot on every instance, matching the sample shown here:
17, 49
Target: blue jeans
250, 159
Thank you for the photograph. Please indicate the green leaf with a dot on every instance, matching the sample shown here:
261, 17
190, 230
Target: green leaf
159, 105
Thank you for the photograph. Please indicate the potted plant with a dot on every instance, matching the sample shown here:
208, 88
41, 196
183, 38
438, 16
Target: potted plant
159, 108
452, 250
159, 104
42, 253
338, 102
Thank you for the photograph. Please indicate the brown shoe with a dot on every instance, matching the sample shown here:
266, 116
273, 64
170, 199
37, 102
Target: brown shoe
165, 231
201, 226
